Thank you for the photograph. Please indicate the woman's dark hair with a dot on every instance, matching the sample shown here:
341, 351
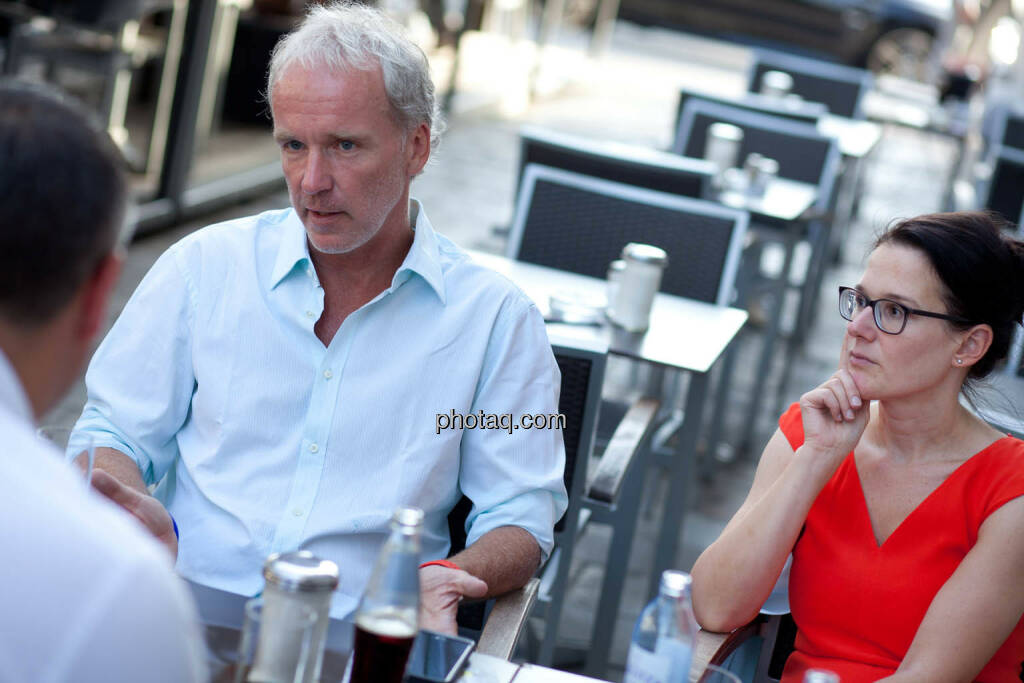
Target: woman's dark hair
62, 200
981, 265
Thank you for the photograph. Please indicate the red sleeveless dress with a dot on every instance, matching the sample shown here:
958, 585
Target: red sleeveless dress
857, 605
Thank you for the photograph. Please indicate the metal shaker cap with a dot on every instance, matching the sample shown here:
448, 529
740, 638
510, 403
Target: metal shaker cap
645, 253
725, 131
301, 572
776, 83
674, 583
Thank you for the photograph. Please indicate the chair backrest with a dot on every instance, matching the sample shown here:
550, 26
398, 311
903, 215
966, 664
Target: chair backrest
840, 88
582, 368
802, 111
1003, 124
1005, 192
803, 153
621, 163
579, 224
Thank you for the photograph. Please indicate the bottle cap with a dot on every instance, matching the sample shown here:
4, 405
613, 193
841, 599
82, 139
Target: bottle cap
408, 517
674, 583
645, 253
301, 572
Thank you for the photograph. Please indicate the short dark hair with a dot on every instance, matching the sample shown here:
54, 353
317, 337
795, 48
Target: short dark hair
981, 266
62, 200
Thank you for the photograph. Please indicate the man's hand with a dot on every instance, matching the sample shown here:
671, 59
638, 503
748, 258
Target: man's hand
441, 589
146, 509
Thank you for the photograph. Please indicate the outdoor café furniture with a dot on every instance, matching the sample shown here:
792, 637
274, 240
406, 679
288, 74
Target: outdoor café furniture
803, 155
684, 334
582, 365
615, 161
840, 88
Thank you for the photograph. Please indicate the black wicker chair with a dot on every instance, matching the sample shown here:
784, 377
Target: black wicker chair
578, 223
801, 111
840, 88
582, 374
618, 162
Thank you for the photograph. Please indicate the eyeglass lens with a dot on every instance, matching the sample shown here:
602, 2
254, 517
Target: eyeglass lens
889, 316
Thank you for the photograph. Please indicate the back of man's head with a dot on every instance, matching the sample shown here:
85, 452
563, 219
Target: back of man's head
62, 202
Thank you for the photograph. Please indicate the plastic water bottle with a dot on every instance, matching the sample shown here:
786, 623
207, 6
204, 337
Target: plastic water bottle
664, 636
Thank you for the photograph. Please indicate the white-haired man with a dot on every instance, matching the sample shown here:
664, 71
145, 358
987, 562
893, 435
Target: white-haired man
286, 370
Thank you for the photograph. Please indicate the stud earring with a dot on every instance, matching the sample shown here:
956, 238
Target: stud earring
959, 361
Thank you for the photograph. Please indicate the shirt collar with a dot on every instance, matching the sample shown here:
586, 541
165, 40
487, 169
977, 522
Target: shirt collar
424, 257
12, 394
292, 250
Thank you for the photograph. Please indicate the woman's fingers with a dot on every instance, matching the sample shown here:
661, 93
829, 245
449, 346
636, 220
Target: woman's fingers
853, 394
839, 396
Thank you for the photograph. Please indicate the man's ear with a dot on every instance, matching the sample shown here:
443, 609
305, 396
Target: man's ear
418, 149
974, 345
96, 292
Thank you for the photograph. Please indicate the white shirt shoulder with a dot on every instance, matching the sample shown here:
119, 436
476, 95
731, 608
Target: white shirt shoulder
88, 596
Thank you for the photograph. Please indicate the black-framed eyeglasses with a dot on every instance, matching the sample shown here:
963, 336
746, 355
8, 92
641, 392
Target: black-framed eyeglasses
890, 316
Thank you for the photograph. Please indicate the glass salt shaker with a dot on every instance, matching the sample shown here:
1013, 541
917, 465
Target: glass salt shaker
638, 283
301, 578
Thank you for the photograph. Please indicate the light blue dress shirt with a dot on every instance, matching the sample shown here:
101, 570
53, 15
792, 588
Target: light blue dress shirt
271, 442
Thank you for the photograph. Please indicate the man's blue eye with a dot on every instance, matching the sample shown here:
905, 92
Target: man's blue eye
346, 145
293, 145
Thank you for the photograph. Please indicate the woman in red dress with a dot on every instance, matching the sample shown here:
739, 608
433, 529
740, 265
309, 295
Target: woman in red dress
903, 511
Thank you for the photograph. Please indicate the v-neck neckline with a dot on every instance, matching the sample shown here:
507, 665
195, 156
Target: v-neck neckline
864, 499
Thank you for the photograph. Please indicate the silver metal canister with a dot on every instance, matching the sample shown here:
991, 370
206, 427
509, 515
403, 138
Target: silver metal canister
301, 578
638, 283
722, 147
615, 269
776, 83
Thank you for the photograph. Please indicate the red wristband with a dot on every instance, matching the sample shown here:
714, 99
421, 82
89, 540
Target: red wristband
442, 563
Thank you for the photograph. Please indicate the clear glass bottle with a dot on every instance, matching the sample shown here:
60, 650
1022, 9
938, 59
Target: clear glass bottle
820, 676
664, 635
388, 613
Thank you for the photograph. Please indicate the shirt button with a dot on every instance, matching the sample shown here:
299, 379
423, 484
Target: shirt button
309, 314
313, 448
297, 512
328, 374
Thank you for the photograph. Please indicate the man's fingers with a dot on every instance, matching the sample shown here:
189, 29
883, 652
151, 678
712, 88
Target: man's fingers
117, 492
470, 586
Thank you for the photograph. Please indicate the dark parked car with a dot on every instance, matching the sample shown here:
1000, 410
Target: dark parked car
886, 36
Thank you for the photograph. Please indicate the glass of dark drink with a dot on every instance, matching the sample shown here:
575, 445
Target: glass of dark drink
382, 643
